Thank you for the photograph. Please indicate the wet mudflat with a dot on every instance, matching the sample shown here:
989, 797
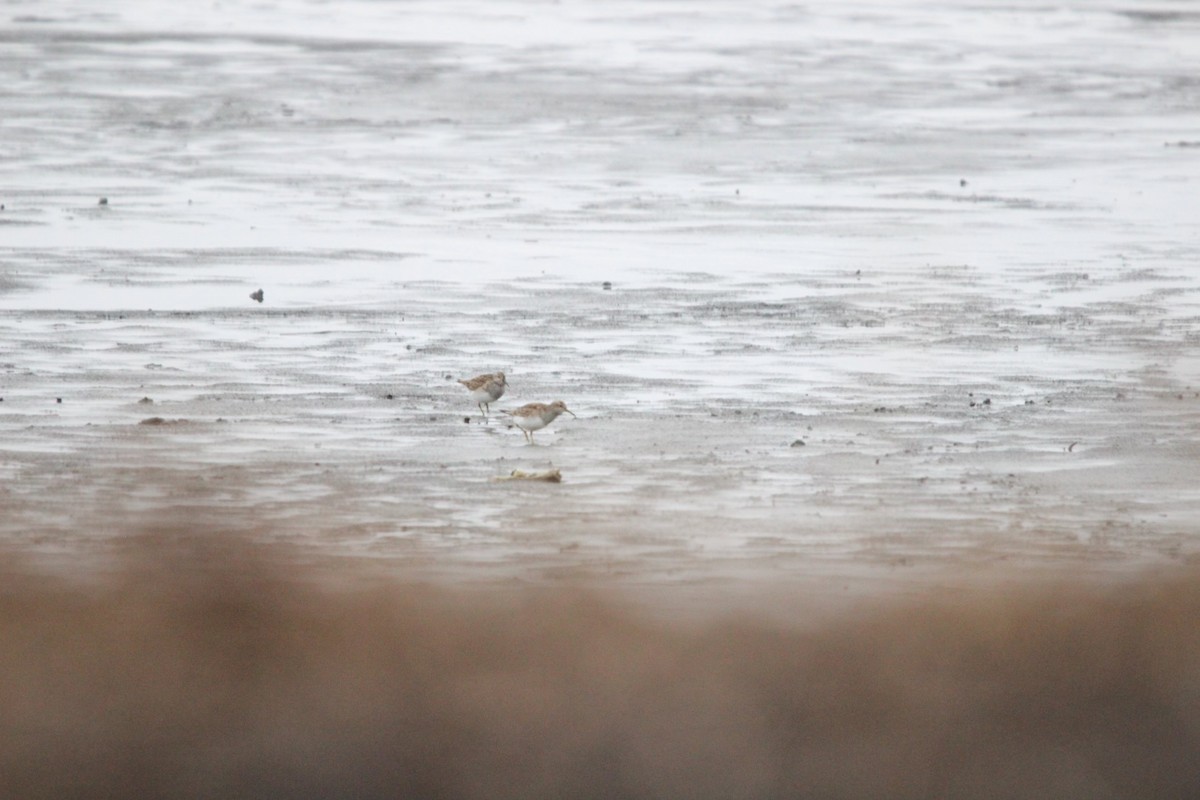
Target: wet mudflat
892, 289
882, 326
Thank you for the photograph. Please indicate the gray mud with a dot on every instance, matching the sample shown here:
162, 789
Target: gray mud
896, 289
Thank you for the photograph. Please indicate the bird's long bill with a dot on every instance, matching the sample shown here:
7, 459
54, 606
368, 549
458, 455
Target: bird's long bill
569, 411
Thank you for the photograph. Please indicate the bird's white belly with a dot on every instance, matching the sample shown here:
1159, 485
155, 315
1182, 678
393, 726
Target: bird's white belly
535, 423
482, 396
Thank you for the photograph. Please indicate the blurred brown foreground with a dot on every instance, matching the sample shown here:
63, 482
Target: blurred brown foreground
206, 668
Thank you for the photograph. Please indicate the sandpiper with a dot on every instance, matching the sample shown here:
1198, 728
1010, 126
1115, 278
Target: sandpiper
535, 416
486, 389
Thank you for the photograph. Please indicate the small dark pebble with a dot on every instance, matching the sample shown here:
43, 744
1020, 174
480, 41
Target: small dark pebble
1030, 402
467, 420
145, 401
799, 443
607, 285
103, 201
987, 402
153, 421
257, 295
58, 399
972, 404
389, 397
962, 181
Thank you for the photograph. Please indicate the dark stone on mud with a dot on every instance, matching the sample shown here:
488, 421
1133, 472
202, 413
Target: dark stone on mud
145, 401
58, 399
467, 420
258, 295
798, 443
606, 285
103, 201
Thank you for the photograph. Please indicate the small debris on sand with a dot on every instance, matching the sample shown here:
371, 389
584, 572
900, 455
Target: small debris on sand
161, 421
257, 296
607, 285
103, 201
798, 443
549, 476
145, 401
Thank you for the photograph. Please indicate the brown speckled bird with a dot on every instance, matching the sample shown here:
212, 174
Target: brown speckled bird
486, 389
535, 416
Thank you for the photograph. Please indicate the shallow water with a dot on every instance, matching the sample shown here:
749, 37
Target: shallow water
950, 248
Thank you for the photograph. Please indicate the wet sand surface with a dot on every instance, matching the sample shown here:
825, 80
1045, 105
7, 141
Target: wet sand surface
898, 292
881, 322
